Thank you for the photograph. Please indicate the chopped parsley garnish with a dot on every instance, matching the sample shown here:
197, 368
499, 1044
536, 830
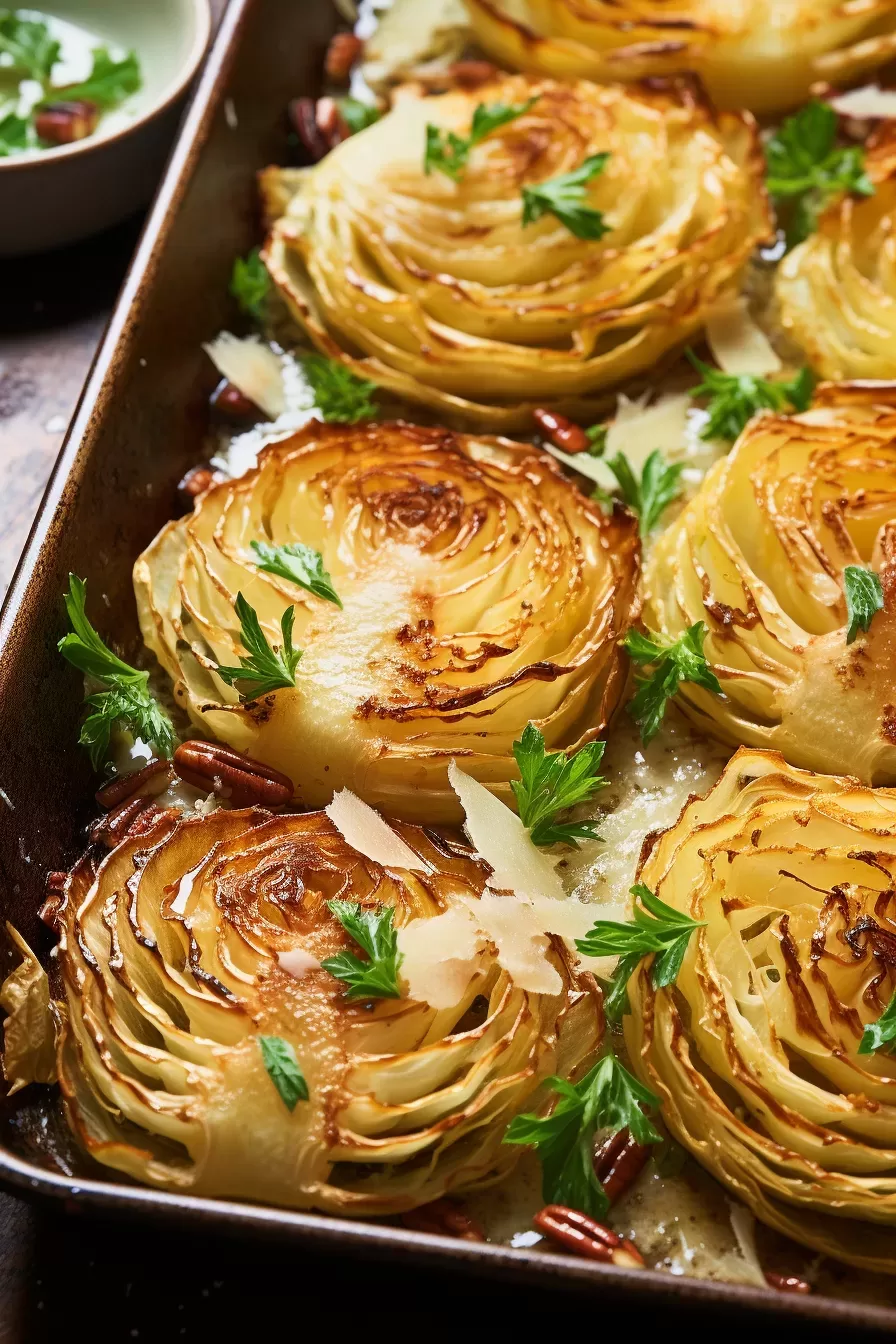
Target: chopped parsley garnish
268, 667
864, 596
27, 42
283, 1070
607, 1098
673, 661
656, 928
372, 930
125, 699
250, 284
357, 115
15, 134
300, 564
881, 1033
806, 168
108, 83
448, 153
550, 783
650, 497
564, 197
736, 397
339, 395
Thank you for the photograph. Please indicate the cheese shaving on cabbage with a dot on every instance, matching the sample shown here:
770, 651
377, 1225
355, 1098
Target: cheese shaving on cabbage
738, 345
252, 367
365, 831
499, 837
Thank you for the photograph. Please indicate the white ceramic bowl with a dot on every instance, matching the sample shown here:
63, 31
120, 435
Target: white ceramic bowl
50, 197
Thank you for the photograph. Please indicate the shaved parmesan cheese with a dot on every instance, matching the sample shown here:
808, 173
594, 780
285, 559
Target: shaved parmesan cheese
297, 962
252, 367
440, 956
638, 428
522, 947
365, 830
744, 1226
737, 344
869, 102
499, 837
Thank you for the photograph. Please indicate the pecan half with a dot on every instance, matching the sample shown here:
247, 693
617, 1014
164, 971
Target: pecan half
195, 483
152, 780
231, 776
135, 816
459, 75
582, 1235
787, 1283
617, 1161
230, 401
63, 123
563, 433
444, 1218
343, 51
320, 126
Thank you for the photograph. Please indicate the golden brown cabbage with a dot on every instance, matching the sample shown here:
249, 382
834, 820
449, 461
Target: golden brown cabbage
760, 54
436, 291
759, 555
754, 1050
480, 590
174, 954
837, 290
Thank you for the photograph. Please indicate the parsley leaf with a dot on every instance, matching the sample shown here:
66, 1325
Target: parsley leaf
372, 930
735, 398
108, 83
28, 44
655, 928
551, 783
268, 668
651, 496
607, 1098
806, 168
126, 698
283, 1070
357, 115
564, 197
338, 394
250, 284
880, 1033
300, 564
673, 661
864, 596
14, 134
597, 440
448, 153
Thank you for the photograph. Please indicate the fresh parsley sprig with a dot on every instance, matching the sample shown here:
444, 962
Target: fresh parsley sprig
550, 783
735, 398
284, 1070
607, 1098
339, 395
357, 115
673, 661
864, 597
447, 152
28, 44
268, 668
125, 699
373, 931
877, 1035
806, 168
300, 564
564, 197
15, 134
108, 83
650, 496
250, 284
655, 928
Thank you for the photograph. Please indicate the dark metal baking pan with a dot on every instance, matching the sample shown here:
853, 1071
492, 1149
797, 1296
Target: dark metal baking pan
139, 426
